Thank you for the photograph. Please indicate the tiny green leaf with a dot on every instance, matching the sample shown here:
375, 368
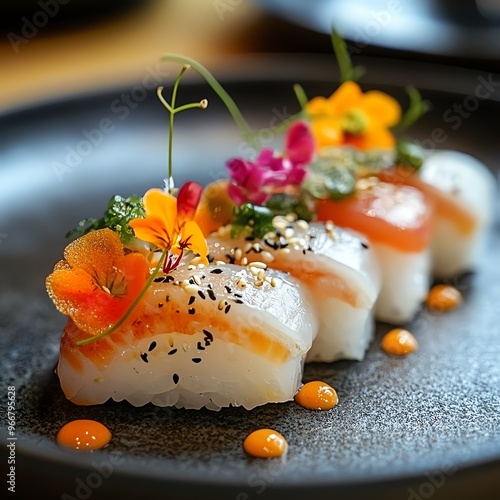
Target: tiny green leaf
415, 111
409, 153
255, 219
119, 213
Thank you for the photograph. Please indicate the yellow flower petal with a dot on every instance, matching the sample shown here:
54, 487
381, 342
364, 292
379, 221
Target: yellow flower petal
153, 230
347, 96
381, 107
158, 203
196, 241
327, 132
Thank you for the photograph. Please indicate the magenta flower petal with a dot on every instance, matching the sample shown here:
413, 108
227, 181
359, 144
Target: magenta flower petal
265, 156
297, 176
258, 198
300, 143
239, 169
236, 194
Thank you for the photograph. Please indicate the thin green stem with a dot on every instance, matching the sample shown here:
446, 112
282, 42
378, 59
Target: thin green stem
188, 106
220, 91
301, 96
348, 72
130, 309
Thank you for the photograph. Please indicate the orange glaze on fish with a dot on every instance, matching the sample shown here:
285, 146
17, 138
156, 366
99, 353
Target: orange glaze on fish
398, 216
171, 317
445, 205
265, 443
83, 435
332, 286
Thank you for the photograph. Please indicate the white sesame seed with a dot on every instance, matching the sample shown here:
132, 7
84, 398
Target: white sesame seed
195, 261
273, 282
291, 217
258, 283
257, 247
267, 256
191, 289
197, 279
238, 254
254, 270
185, 347
200, 266
220, 262
289, 233
302, 225
244, 261
221, 305
259, 264
247, 247
262, 274
242, 283
283, 250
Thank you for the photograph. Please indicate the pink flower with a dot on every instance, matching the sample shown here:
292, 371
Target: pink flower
255, 181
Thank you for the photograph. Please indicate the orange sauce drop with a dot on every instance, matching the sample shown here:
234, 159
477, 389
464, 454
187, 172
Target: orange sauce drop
399, 342
443, 298
317, 395
265, 443
83, 435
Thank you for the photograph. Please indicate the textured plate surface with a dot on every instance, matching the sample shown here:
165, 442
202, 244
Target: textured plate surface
428, 422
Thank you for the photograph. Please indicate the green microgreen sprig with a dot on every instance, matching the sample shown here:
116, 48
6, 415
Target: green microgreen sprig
348, 72
173, 111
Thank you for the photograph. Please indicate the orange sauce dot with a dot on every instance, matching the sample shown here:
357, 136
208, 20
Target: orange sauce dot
265, 443
399, 342
317, 395
83, 435
443, 298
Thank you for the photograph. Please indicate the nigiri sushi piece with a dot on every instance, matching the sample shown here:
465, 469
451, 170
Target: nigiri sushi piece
336, 266
397, 222
462, 191
206, 337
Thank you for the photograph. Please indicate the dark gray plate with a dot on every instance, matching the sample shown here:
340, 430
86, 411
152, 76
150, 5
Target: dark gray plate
404, 428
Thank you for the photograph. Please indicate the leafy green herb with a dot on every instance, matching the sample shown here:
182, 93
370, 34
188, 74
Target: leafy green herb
119, 213
409, 153
255, 219
283, 204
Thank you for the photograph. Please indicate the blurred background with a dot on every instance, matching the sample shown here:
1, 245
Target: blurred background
53, 48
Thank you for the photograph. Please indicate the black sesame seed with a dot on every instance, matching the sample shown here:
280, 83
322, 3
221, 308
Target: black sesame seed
239, 301
201, 294
304, 251
173, 351
175, 378
196, 360
152, 346
208, 335
160, 304
364, 245
167, 298
200, 347
238, 295
250, 238
230, 258
144, 357
191, 310
228, 289
161, 279
216, 271
169, 279
211, 294
210, 258
191, 281
226, 310
191, 299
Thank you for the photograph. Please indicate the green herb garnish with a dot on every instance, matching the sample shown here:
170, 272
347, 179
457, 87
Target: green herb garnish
119, 213
409, 154
254, 219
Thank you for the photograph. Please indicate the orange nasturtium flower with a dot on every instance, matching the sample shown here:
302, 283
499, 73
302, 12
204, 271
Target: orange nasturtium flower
96, 282
169, 224
351, 117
